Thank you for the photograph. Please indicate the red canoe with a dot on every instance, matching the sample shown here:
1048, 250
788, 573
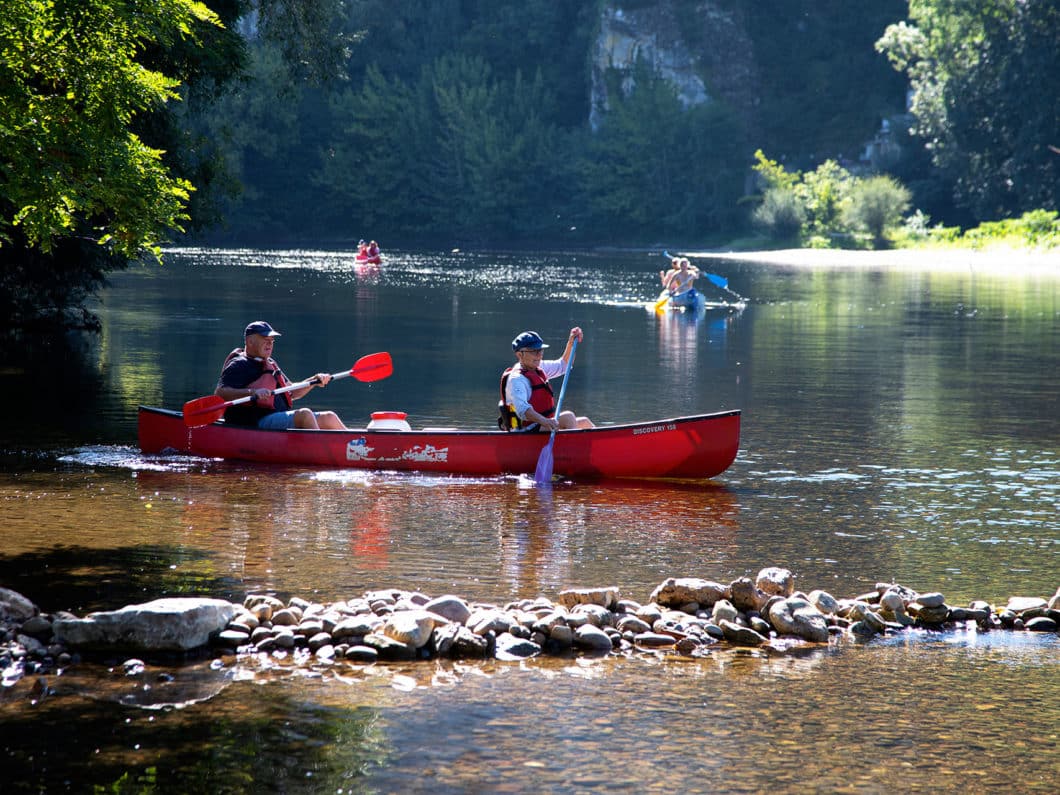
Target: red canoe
683, 447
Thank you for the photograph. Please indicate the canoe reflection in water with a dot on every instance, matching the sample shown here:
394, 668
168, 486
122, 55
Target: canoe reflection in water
572, 536
339, 533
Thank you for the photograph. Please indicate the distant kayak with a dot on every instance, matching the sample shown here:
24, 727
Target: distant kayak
690, 299
364, 259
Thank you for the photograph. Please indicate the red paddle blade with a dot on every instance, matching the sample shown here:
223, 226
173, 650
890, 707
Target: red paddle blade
203, 411
373, 367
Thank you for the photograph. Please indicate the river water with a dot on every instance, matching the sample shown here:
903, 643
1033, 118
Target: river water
898, 425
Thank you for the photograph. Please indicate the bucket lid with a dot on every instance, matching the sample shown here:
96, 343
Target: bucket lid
389, 415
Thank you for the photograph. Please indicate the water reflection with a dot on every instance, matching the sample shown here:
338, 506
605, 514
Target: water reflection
897, 425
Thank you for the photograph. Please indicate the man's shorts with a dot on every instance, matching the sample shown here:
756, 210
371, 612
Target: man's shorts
277, 421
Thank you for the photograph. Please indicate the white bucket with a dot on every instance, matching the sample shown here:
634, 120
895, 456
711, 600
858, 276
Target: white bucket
389, 421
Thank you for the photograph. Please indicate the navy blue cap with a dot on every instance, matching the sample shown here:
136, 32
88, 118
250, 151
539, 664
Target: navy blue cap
262, 328
528, 341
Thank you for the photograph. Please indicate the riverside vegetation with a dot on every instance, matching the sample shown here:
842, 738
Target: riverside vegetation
296, 120
686, 616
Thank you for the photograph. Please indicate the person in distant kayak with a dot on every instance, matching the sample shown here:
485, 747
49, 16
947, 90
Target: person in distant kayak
251, 371
680, 278
373, 250
527, 402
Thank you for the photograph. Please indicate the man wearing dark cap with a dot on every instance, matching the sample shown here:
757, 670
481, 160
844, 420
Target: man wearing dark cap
251, 371
527, 401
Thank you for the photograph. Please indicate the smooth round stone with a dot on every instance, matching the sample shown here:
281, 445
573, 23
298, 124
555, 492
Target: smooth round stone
593, 639
509, 647
652, 640
451, 608
892, 602
862, 629
233, 638
824, 602
37, 626
284, 640
931, 600
364, 654
285, 618
260, 633
724, 611
319, 641
1040, 624
629, 623
933, 615
741, 636
760, 625
310, 628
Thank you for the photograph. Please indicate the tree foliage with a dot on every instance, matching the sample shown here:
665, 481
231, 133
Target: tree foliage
876, 205
985, 97
80, 189
70, 86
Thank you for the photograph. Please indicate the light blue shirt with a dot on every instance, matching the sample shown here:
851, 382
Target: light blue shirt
517, 392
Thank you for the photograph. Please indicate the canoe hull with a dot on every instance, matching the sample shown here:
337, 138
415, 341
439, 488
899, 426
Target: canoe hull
685, 447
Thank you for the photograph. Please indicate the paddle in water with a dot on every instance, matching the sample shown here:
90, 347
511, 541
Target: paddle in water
543, 473
713, 278
209, 409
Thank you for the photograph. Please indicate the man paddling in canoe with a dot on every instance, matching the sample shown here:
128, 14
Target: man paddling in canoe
251, 371
680, 278
527, 401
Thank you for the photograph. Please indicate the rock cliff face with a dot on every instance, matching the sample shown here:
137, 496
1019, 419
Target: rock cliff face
705, 53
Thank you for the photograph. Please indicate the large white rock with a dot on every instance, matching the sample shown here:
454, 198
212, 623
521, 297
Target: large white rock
15, 607
172, 624
678, 591
794, 616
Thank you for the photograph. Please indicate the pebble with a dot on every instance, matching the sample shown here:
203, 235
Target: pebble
684, 616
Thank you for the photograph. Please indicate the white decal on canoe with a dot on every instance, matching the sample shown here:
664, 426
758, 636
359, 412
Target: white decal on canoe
655, 429
426, 453
358, 450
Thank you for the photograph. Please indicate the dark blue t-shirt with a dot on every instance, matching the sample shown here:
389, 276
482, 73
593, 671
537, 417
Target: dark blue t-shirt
240, 372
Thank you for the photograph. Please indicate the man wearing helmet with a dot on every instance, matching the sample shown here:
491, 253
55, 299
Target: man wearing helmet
527, 401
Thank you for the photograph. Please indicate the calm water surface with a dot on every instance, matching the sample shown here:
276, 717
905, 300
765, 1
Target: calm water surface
897, 426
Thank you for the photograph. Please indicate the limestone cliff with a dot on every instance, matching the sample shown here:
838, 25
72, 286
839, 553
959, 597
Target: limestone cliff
705, 52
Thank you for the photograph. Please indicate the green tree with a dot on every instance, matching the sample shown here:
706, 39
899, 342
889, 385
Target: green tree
876, 204
781, 214
72, 169
655, 166
985, 99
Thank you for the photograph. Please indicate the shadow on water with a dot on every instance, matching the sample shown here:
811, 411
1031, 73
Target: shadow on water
229, 748
81, 579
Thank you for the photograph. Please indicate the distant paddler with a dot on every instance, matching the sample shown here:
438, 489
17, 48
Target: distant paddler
678, 283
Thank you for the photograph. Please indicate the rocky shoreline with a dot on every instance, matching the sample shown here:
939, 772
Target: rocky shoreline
683, 616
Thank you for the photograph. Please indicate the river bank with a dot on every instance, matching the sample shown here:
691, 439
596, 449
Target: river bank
995, 260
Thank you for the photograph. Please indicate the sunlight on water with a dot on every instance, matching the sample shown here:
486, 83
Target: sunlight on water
123, 457
896, 427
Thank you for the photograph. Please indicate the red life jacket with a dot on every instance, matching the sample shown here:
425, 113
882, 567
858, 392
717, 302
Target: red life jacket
272, 377
542, 399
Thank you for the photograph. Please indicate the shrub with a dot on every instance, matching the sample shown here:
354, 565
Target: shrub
780, 215
876, 205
